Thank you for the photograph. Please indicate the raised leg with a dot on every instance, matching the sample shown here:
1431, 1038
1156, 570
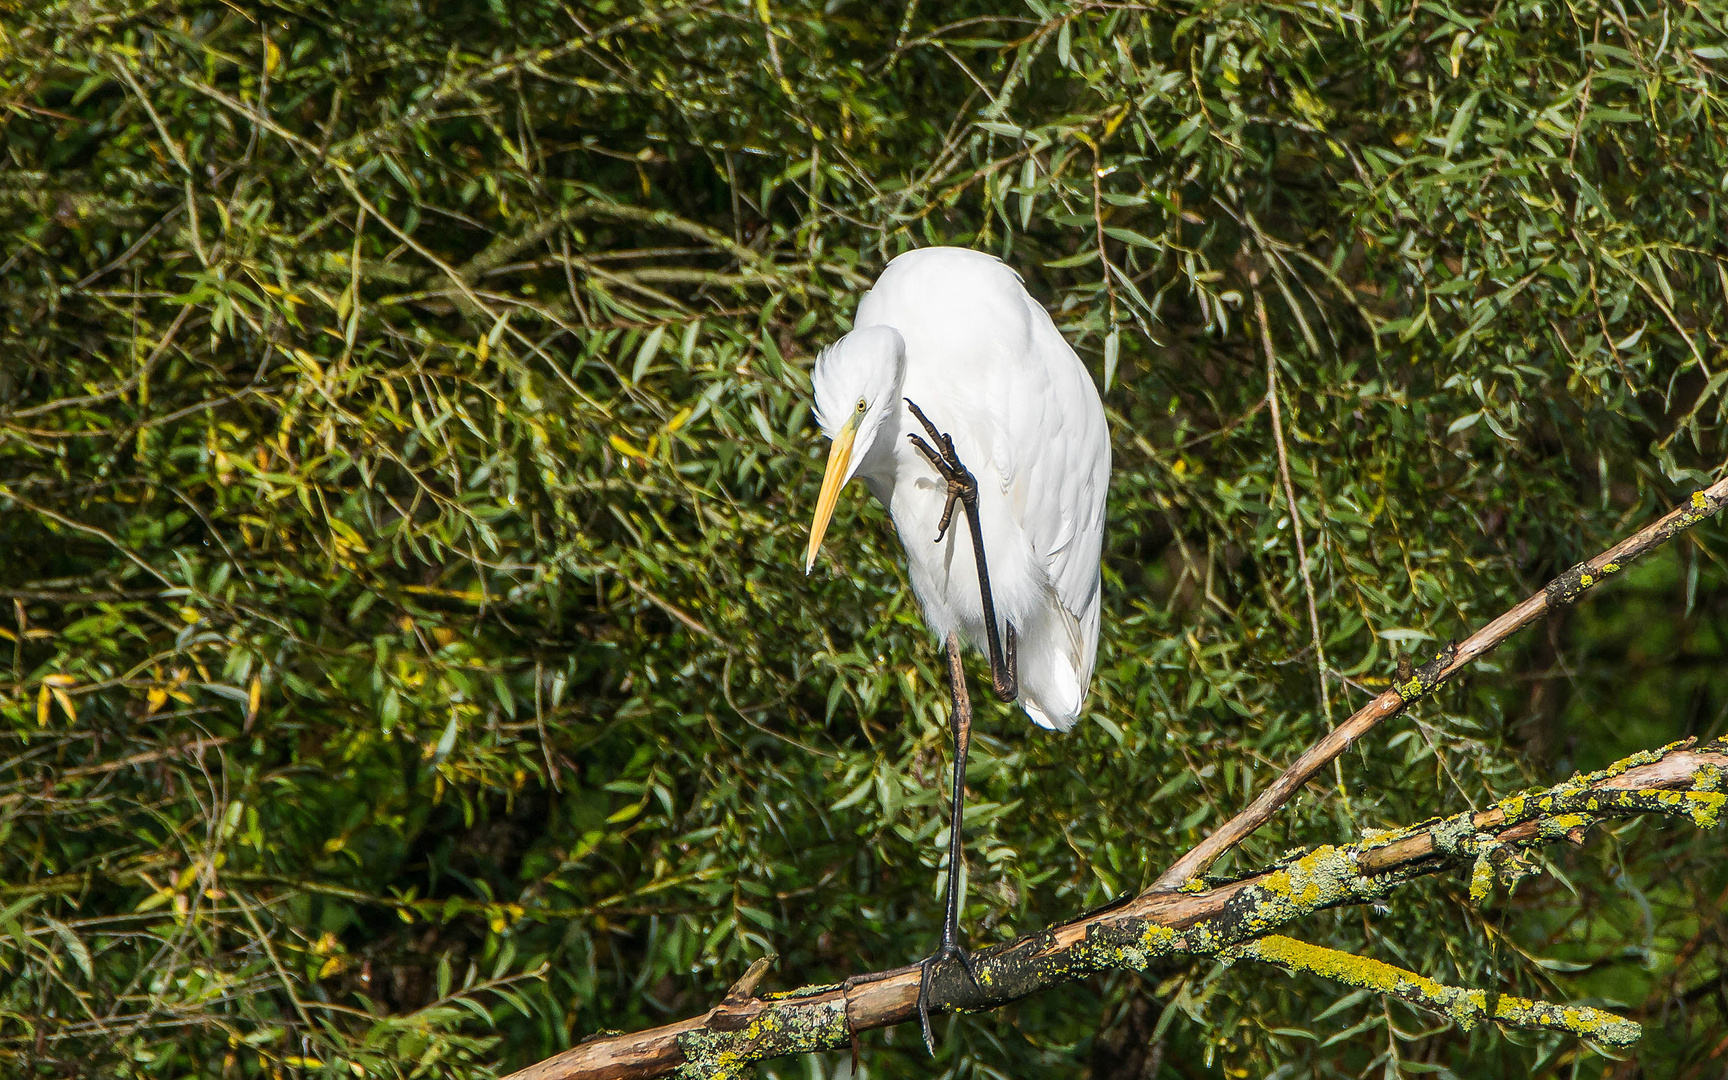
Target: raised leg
963, 488
960, 716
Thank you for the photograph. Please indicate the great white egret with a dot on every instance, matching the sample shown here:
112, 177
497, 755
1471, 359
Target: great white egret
997, 413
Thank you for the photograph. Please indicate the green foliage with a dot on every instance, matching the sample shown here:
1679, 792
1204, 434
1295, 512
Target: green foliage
405, 461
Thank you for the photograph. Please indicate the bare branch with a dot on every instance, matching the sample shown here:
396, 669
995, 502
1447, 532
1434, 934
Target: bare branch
1557, 593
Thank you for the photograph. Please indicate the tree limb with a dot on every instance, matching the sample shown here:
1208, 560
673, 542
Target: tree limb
1466, 1007
1230, 922
1180, 915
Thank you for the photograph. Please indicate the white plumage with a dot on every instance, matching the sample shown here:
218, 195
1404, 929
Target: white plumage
954, 331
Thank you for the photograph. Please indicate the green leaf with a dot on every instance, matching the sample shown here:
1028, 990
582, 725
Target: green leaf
1129, 236
1461, 123
645, 355
446, 741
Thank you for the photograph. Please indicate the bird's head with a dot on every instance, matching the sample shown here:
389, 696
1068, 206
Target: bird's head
857, 387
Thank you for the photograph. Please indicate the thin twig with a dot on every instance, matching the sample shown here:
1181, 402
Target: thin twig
1290, 491
114, 392
89, 530
126, 256
161, 128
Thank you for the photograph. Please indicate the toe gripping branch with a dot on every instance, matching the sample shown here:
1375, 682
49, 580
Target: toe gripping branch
948, 950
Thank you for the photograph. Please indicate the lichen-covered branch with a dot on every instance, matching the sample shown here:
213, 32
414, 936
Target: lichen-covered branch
1229, 920
1466, 1007
1425, 680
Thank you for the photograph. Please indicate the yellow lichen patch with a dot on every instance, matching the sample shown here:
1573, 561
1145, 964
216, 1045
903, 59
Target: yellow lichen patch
1560, 824
1158, 937
1122, 946
1706, 808
1481, 879
1324, 876
1342, 966
775, 1032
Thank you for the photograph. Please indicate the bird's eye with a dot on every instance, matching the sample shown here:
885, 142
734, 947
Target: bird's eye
861, 404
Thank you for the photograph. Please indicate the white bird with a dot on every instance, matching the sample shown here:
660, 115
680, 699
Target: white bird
951, 334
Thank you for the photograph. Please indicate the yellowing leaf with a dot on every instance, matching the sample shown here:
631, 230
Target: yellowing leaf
154, 900
345, 535
626, 814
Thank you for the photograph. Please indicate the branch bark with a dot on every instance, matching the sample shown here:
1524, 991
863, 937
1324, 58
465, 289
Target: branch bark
1230, 922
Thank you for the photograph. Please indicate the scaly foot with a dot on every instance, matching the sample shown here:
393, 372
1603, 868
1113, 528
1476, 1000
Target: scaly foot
949, 950
962, 485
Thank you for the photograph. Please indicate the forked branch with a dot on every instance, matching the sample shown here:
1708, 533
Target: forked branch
1178, 916
1231, 922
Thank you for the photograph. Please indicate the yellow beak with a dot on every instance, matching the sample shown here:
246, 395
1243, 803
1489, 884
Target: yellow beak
839, 463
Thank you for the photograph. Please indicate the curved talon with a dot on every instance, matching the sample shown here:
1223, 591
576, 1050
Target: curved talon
1006, 682
962, 485
959, 487
947, 951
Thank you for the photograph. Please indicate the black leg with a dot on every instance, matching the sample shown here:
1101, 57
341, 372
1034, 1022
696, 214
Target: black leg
963, 488
960, 708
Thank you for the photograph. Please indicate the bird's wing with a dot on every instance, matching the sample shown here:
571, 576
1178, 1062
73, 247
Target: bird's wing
1060, 468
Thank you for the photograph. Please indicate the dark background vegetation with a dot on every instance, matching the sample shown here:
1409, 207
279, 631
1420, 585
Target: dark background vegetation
405, 459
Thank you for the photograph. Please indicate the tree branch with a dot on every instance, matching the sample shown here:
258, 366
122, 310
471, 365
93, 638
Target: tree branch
1561, 591
1230, 921
1466, 1007
1181, 916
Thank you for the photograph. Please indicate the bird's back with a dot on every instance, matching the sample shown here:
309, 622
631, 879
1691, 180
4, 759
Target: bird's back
987, 365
